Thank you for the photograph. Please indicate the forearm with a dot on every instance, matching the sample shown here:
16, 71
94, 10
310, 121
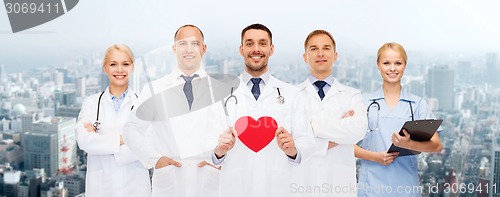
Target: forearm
364, 154
434, 145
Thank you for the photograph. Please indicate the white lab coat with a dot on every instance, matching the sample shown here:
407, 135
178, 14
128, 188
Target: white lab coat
152, 140
268, 172
112, 169
332, 170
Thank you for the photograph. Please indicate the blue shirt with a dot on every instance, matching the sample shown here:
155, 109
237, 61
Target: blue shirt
401, 177
329, 81
117, 102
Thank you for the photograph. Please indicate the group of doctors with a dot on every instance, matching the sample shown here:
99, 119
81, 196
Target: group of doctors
316, 126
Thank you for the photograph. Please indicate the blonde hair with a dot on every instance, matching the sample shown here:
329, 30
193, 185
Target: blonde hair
121, 48
394, 46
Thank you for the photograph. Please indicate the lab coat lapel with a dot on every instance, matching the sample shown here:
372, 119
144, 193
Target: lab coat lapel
310, 89
334, 90
270, 89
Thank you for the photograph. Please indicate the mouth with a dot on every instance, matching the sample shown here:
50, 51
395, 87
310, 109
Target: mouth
392, 75
120, 76
256, 57
321, 61
189, 57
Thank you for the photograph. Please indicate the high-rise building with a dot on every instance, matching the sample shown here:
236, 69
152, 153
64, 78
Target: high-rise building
495, 171
74, 184
81, 87
440, 85
11, 181
491, 69
51, 145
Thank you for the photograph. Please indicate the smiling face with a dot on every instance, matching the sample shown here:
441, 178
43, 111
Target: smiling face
189, 49
256, 48
320, 55
118, 66
391, 64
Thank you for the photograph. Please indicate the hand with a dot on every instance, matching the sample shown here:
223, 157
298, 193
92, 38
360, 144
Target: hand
165, 161
286, 142
385, 158
89, 127
332, 144
348, 114
121, 140
226, 142
205, 163
401, 141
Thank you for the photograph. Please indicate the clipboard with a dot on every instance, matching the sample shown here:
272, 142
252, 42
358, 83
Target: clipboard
420, 131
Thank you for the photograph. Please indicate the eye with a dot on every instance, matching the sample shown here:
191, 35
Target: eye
112, 64
195, 44
314, 49
326, 48
126, 64
248, 44
263, 44
398, 63
386, 63
182, 43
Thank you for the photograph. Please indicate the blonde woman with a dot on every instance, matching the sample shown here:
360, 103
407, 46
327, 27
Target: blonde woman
112, 170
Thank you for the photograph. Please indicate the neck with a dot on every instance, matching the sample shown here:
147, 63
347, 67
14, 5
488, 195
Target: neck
256, 73
392, 89
321, 76
117, 91
188, 72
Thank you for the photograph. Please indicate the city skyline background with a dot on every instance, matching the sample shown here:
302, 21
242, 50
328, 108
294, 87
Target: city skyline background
461, 29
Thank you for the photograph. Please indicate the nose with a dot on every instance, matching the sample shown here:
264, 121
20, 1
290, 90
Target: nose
321, 53
392, 67
120, 68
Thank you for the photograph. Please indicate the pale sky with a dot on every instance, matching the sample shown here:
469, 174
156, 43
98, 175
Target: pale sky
358, 26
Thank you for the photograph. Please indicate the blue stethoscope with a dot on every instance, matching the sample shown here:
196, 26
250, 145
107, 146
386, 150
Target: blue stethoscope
376, 105
97, 124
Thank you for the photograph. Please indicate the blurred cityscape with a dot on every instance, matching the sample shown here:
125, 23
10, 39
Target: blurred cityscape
39, 108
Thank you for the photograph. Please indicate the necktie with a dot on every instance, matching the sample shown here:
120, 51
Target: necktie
320, 85
188, 89
255, 87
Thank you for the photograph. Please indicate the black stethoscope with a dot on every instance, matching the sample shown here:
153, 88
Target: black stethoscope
375, 104
280, 99
97, 124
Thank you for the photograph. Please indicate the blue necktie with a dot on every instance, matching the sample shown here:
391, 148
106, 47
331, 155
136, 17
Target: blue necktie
320, 85
188, 89
255, 87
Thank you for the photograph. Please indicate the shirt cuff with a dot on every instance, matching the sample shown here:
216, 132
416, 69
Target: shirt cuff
217, 161
297, 159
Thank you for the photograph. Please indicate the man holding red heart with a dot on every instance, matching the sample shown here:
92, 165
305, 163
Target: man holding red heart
253, 165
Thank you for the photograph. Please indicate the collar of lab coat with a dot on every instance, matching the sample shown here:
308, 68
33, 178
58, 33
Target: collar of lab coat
405, 95
334, 89
130, 96
271, 85
176, 72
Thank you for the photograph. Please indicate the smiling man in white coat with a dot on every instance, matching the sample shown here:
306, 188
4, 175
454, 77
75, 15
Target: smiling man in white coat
158, 141
254, 166
337, 115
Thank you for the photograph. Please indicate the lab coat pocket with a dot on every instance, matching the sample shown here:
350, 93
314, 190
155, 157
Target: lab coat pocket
231, 183
281, 181
95, 180
210, 180
164, 181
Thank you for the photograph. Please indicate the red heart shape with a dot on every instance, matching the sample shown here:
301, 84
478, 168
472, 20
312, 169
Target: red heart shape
256, 134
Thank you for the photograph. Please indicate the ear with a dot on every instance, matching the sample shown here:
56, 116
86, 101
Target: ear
305, 57
271, 50
241, 51
104, 69
204, 49
335, 56
173, 48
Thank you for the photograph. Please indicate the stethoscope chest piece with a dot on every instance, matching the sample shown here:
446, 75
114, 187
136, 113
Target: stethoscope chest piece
280, 99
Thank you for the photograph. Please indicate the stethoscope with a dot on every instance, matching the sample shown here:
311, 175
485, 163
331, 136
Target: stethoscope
280, 100
97, 124
376, 105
